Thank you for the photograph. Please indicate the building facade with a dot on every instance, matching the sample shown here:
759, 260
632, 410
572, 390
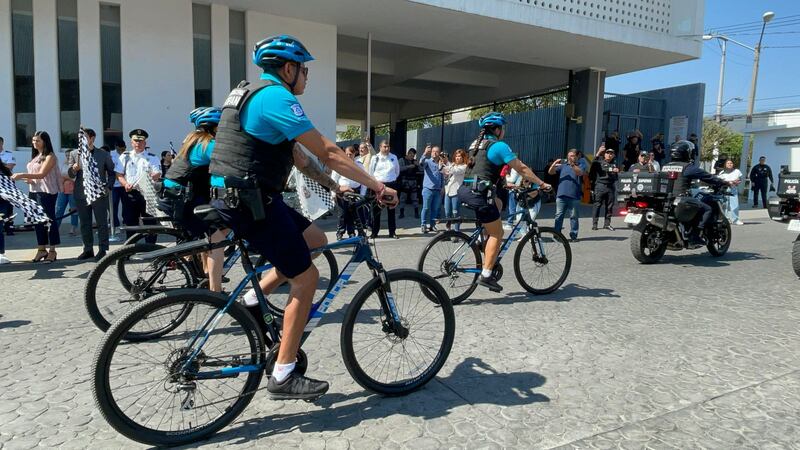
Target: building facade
115, 65
776, 135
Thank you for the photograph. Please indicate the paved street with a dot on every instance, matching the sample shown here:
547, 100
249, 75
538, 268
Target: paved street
693, 352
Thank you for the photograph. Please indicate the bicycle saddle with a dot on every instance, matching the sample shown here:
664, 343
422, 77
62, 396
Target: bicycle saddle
209, 215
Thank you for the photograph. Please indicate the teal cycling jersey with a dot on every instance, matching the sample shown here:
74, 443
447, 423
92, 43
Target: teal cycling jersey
272, 115
199, 155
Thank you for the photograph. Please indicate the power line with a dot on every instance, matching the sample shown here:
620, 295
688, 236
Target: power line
782, 46
755, 24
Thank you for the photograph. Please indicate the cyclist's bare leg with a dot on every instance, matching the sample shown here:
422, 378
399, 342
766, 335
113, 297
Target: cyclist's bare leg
314, 238
495, 232
296, 313
214, 262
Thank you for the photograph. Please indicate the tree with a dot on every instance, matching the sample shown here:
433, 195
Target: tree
730, 142
352, 132
557, 98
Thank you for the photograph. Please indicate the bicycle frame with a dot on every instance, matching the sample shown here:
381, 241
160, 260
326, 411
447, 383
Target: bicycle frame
362, 253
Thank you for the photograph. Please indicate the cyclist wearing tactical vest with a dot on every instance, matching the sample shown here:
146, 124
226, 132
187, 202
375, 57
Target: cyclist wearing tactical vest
487, 155
680, 155
254, 154
186, 185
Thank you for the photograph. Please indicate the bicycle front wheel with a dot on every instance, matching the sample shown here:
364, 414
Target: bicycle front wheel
542, 260
176, 388
455, 264
391, 359
117, 283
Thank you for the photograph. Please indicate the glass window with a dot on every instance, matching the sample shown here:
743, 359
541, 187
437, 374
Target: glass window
69, 91
201, 25
24, 92
238, 51
111, 68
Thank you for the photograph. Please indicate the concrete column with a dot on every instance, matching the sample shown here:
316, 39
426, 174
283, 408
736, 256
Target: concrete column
7, 119
220, 54
91, 77
587, 96
45, 54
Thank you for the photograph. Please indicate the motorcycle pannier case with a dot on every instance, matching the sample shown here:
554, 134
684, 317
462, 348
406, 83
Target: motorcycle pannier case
686, 209
642, 183
789, 185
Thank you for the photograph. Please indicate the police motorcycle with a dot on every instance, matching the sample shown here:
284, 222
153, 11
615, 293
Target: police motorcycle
664, 220
786, 205
794, 225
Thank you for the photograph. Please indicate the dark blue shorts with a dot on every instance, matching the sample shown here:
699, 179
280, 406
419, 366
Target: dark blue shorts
279, 237
485, 208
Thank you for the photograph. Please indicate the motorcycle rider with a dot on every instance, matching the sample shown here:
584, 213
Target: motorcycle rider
680, 162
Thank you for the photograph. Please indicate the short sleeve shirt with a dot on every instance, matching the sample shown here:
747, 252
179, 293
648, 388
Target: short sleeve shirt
569, 186
272, 115
500, 153
7, 157
200, 155
133, 165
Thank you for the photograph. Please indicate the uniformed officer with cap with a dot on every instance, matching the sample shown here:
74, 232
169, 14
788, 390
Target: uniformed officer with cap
130, 167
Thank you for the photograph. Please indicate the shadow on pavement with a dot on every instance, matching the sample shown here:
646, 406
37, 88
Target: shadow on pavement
47, 271
706, 260
14, 324
602, 238
563, 294
472, 382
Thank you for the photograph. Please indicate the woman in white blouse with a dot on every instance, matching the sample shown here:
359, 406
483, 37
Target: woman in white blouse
385, 168
455, 178
732, 174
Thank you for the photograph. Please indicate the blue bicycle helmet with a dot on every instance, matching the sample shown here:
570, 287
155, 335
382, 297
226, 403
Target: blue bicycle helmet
279, 49
492, 119
205, 116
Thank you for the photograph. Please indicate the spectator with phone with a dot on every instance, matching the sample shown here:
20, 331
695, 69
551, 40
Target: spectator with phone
604, 175
432, 165
568, 196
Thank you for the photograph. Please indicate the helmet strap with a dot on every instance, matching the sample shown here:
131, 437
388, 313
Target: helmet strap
296, 77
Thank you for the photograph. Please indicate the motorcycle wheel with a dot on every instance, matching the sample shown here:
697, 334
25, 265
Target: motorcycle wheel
719, 243
796, 256
642, 246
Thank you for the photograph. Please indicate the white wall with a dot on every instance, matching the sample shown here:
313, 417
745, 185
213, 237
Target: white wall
319, 100
777, 155
45, 70
157, 69
7, 120
90, 81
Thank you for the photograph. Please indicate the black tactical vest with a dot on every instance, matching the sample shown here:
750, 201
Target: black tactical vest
483, 170
184, 173
240, 155
679, 186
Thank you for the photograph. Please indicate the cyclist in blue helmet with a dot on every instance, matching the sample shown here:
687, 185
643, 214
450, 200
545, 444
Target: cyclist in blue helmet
487, 155
262, 121
186, 185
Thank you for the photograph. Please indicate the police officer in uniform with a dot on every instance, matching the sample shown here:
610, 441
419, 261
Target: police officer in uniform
8, 160
604, 176
487, 155
131, 166
253, 157
760, 180
680, 162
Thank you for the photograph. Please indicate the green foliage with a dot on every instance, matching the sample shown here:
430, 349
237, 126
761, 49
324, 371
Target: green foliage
429, 122
524, 104
730, 142
352, 132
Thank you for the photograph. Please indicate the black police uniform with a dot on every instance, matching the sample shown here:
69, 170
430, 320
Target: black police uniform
480, 182
760, 179
605, 180
408, 185
687, 172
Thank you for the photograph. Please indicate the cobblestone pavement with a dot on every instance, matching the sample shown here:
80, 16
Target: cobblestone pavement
693, 352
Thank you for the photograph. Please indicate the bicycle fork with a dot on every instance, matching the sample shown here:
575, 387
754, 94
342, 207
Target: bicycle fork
392, 322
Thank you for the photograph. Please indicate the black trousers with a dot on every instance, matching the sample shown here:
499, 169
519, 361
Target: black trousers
100, 210
707, 211
376, 215
603, 196
760, 186
46, 234
133, 207
346, 218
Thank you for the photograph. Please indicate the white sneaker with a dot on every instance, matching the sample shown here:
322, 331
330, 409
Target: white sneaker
738, 222
508, 227
4, 259
250, 298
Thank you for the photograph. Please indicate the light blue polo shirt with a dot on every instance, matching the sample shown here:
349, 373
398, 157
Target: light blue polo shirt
272, 115
198, 156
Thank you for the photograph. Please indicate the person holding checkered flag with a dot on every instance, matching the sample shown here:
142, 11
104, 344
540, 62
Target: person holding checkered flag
94, 176
131, 168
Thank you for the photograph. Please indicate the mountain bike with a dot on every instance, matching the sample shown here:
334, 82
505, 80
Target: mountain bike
542, 259
187, 384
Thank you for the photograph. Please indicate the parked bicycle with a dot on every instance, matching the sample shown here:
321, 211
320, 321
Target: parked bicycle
184, 385
542, 259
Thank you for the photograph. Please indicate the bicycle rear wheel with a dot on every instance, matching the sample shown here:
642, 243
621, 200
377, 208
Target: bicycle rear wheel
542, 260
451, 261
398, 361
154, 392
117, 283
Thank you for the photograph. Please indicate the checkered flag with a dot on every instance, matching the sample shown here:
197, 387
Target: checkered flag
10, 193
147, 187
93, 187
315, 200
